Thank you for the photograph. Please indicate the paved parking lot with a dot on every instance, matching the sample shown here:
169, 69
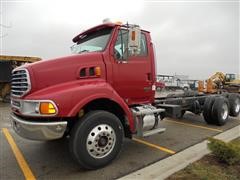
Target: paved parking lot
51, 160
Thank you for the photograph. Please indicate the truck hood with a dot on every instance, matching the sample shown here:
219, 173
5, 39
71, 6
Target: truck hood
47, 73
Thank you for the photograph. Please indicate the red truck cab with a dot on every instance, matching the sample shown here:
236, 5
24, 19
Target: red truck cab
112, 71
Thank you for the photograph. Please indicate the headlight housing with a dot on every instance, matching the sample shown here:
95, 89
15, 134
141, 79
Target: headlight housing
35, 107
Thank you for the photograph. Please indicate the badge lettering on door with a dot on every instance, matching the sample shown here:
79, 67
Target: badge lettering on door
147, 88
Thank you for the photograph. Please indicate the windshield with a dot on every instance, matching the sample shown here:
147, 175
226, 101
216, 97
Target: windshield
94, 41
230, 77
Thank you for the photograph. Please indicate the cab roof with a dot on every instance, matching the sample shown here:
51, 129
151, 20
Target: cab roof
96, 28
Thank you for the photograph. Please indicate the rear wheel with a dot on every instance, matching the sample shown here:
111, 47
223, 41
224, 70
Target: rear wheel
207, 110
196, 107
181, 114
96, 139
234, 105
220, 111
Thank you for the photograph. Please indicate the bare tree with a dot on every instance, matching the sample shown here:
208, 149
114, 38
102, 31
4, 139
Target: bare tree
3, 26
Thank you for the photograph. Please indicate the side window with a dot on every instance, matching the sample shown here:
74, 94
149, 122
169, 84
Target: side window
121, 46
143, 46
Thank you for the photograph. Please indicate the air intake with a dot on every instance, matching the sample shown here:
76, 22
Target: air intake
20, 82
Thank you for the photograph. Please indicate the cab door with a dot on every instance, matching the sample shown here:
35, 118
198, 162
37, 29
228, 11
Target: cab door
132, 74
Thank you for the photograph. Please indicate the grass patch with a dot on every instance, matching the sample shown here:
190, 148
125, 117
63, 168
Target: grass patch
210, 167
227, 152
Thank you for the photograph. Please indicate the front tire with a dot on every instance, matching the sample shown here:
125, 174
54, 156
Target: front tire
96, 139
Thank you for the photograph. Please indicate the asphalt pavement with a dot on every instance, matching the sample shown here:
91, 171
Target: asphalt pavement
51, 160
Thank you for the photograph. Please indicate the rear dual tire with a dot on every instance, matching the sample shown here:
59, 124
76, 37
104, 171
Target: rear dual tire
220, 111
216, 110
207, 110
234, 101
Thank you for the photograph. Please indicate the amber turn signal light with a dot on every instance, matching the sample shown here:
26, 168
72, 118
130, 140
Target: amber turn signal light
47, 108
133, 35
97, 71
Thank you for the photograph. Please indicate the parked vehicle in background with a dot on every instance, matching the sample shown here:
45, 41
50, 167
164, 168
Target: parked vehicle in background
173, 82
160, 85
193, 84
7, 64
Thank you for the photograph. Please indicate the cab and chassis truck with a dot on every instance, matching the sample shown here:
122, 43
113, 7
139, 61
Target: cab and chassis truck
103, 93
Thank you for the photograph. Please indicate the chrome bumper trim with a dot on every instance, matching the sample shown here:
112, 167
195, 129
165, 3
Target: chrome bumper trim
38, 130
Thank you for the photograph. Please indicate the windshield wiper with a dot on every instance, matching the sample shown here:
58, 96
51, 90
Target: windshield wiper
83, 51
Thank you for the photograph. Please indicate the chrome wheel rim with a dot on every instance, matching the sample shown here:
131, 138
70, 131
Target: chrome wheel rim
224, 113
101, 141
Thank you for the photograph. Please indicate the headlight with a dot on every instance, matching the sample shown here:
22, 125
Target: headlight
35, 107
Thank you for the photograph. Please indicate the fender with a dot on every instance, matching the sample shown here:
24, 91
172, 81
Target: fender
70, 97
99, 91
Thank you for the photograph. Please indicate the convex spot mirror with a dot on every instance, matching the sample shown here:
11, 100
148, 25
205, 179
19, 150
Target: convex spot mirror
134, 40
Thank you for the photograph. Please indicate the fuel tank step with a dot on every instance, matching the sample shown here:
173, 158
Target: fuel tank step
147, 119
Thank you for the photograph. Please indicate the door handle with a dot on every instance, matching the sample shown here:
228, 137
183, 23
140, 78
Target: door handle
149, 76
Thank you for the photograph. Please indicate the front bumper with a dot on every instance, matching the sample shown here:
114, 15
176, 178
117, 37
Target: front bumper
38, 130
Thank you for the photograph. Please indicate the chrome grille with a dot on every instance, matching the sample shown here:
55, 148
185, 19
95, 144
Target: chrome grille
20, 82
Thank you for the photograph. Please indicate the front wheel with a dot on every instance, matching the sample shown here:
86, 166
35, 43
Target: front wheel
96, 139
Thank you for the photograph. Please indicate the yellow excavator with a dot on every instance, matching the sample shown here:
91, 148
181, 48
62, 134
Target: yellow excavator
232, 83
220, 82
7, 64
